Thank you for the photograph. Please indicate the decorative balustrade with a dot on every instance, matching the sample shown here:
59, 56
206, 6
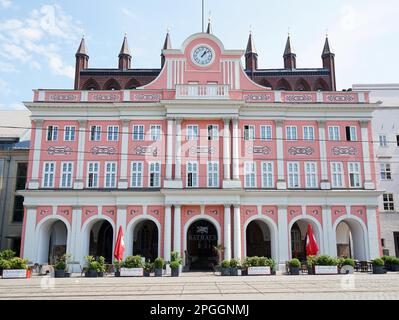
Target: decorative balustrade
199, 91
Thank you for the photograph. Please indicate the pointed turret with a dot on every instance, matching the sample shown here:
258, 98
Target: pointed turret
125, 59
251, 56
289, 55
329, 62
82, 62
166, 46
209, 29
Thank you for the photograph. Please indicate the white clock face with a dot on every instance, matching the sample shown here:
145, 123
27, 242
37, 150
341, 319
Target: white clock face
202, 55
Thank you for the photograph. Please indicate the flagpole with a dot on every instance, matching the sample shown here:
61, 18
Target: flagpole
203, 12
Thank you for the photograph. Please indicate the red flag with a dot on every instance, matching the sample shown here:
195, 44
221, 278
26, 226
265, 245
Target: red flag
119, 246
311, 245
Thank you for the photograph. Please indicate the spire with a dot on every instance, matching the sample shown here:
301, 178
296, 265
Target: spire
329, 62
125, 59
125, 47
167, 44
251, 56
288, 48
326, 49
209, 29
82, 48
250, 45
289, 55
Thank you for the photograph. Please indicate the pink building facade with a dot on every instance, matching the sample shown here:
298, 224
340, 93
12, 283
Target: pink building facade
199, 157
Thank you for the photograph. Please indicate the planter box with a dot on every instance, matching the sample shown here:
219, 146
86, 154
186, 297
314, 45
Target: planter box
395, 267
91, 274
175, 272
132, 272
259, 271
59, 274
347, 270
158, 272
15, 274
326, 269
225, 272
376, 269
294, 271
234, 272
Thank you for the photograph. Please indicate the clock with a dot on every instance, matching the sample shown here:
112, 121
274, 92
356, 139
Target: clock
202, 55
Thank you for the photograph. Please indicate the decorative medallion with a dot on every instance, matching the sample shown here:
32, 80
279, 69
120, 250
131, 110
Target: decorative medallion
337, 151
297, 98
259, 150
300, 151
258, 97
147, 97
70, 97
202, 150
340, 98
59, 150
146, 150
103, 150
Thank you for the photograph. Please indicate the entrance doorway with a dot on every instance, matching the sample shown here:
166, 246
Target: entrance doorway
396, 237
101, 240
202, 237
258, 239
145, 240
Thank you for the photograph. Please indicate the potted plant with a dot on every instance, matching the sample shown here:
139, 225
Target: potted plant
175, 266
118, 264
395, 264
259, 266
347, 265
234, 264
225, 268
14, 268
158, 266
325, 264
60, 266
148, 267
378, 266
391, 263
294, 266
91, 270
177, 263
133, 267
310, 262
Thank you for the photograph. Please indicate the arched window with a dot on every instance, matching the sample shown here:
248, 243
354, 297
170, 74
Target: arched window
283, 85
91, 84
321, 85
112, 84
302, 85
132, 84
266, 83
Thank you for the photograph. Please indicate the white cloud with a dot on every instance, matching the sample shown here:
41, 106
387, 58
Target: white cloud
5, 3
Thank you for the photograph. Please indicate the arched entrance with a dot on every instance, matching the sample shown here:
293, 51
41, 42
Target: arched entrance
53, 238
350, 240
101, 240
258, 239
145, 240
202, 237
298, 238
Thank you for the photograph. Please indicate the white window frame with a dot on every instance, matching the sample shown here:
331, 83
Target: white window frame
385, 172
267, 174
49, 175
95, 174
293, 175
113, 133
53, 134
136, 174
291, 133
190, 166
390, 203
266, 132
337, 175
249, 132
213, 132
96, 132
352, 132
192, 132
154, 167
250, 174
357, 175
311, 175
212, 174
69, 133
308, 133
138, 132
66, 176
110, 176
155, 132
383, 141
333, 133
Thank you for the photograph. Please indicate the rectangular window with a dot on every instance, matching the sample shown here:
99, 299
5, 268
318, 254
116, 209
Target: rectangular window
249, 132
311, 174
155, 132
213, 132
22, 171
93, 169
110, 175
192, 132
18, 213
213, 174
138, 133
383, 140
69, 133
293, 175
250, 174
291, 133
337, 174
308, 133
397, 140
385, 171
388, 202
137, 174
52, 133
351, 133
267, 175
66, 175
112, 133
266, 133
333, 133
155, 175
354, 174
95, 133
192, 174
48, 174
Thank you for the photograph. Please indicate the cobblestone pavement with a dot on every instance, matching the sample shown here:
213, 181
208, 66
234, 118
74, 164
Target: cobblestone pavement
206, 286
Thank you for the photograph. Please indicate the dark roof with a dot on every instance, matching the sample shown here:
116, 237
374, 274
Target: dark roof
290, 72
119, 72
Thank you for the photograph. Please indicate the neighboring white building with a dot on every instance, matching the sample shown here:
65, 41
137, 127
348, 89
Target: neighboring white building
386, 137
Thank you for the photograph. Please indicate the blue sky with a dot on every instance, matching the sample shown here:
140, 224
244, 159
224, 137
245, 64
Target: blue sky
38, 39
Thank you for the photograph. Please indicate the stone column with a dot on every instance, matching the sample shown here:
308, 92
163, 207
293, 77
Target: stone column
123, 180
29, 251
37, 145
76, 248
79, 182
329, 242
283, 244
227, 232
281, 183
372, 228
178, 156
236, 157
169, 150
167, 232
226, 149
177, 230
368, 183
325, 181
121, 222
237, 232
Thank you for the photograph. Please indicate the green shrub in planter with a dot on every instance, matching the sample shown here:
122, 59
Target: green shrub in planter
378, 266
18, 263
7, 254
94, 267
61, 265
175, 256
117, 267
225, 268
158, 265
347, 262
234, 264
148, 267
294, 266
395, 264
175, 267
325, 260
133, 262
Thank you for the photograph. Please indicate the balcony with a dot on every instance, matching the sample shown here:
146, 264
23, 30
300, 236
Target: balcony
199, 91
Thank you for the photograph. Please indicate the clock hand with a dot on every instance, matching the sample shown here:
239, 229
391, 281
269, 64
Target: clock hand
205, 52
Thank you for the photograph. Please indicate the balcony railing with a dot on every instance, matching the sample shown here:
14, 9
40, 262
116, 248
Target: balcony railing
199, 91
